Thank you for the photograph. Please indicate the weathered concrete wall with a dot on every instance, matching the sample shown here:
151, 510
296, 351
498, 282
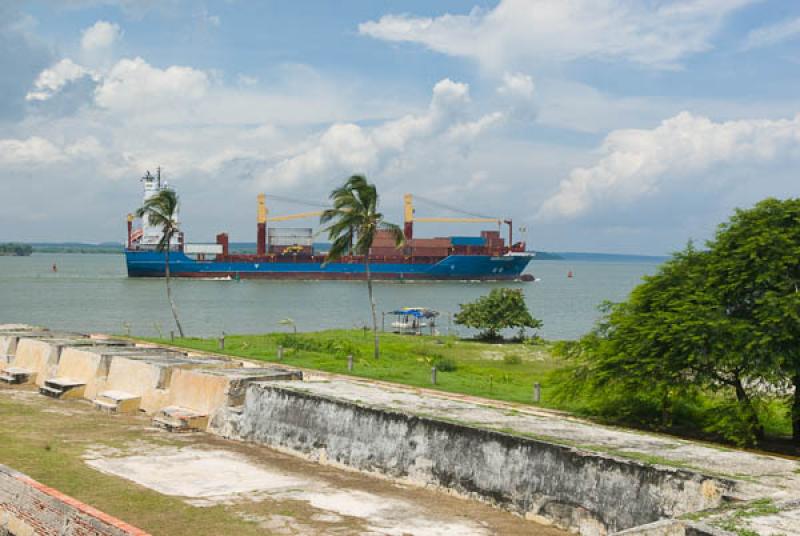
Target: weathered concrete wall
37, 355
144, 378
88, 365
207, 390
10, 335
590, 493
28, 507
196, 390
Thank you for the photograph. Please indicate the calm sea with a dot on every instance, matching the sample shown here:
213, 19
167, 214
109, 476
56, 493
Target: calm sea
92, 293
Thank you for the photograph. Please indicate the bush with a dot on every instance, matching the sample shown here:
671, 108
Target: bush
501, 309
512, 359
445, 364
337, 347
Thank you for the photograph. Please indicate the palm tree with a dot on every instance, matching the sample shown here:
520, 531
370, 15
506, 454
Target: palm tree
161, 211
354, 222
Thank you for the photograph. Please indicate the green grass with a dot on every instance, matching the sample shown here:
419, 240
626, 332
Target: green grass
48, 447
481, 369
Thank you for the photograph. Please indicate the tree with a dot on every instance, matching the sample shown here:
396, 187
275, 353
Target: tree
724, 320
669, 338
19, 250
502, 308
161, 210
354, 221
757, 276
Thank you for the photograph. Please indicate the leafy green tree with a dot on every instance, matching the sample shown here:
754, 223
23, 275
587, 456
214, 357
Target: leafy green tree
756, 273
161, 210
354, 221
502, 308
670, 338
724, 320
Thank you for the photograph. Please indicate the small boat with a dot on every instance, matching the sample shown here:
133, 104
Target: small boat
413, 319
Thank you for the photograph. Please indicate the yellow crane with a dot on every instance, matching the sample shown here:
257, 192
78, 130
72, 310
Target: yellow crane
264, 217
298, 216
409, 217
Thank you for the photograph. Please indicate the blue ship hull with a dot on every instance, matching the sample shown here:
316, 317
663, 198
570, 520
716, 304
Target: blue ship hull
452, 267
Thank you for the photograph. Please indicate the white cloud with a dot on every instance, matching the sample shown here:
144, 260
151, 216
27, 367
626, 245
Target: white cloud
135, 84
773, 34
346, 148
517, 85
101, 36
52, 80
518, 90
640, 163
37, 150
518, 33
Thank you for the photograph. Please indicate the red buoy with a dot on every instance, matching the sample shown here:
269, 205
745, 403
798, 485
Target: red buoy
569, 274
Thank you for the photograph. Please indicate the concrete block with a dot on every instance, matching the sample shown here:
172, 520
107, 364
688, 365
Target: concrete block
17, 376
178, 419
117, 402
63, 388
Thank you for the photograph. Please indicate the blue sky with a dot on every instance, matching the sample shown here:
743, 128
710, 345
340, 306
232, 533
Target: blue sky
601, 125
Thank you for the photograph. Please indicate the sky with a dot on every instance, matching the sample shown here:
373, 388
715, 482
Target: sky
628, 126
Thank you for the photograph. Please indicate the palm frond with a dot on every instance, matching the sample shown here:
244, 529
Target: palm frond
161, 211
355, 217
395, 231
339, 248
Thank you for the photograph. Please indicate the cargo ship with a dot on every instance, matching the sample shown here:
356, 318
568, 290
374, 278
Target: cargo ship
290, 253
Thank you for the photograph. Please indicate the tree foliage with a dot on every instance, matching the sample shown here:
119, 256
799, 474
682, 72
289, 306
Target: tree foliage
724, 321
17, 250
502, 308
354, 222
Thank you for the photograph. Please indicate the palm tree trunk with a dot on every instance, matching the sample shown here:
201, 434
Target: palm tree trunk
169, 291
372, 306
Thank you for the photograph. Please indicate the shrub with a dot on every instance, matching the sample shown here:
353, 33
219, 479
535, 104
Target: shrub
502, 308
512, 359
336, 347
445, 364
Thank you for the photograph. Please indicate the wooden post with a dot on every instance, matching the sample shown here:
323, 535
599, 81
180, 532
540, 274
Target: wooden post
222, 341
383, 321
280, 353
172, 335
350, 363
433, 375
537, 393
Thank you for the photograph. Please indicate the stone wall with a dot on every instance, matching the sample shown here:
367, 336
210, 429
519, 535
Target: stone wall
585, 492
28, 507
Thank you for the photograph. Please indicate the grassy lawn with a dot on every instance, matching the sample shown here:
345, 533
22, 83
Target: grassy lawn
499, 371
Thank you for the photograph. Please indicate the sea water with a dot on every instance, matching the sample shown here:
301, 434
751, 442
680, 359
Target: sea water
91, 293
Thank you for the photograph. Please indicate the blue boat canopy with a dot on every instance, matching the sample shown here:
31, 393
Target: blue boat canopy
417, 312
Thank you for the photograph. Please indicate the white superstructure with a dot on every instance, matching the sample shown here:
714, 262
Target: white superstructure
150, 235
